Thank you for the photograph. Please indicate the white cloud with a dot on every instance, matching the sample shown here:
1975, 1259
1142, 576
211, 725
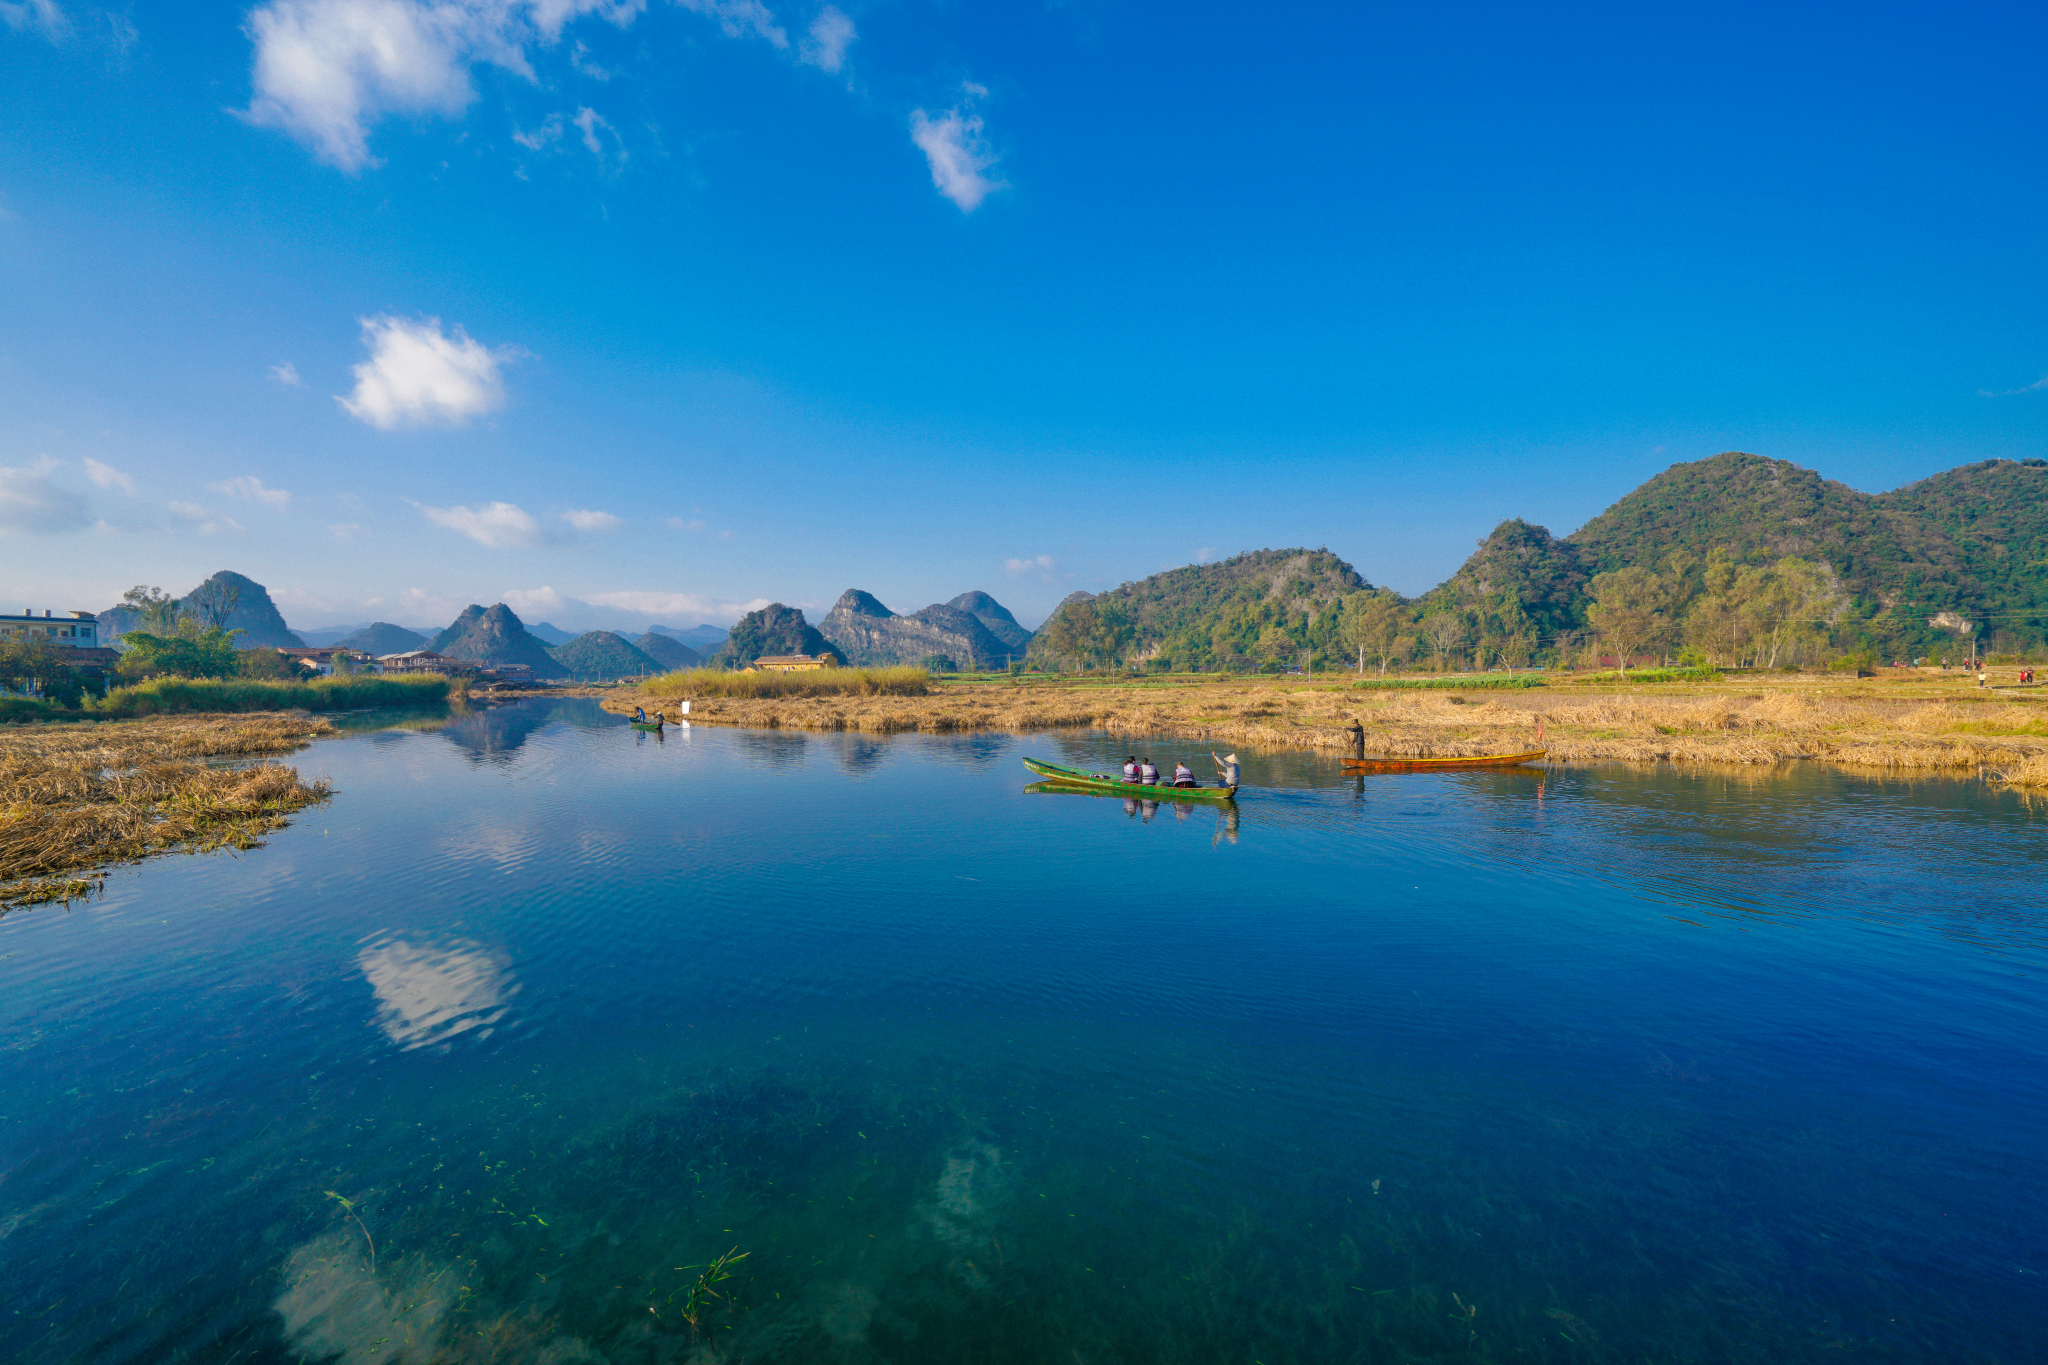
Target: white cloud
326, 70
958, 153
672, 605
30, 502
1041, 567
106, 476
249, 488
417, 375
831, 34
688, 524
41, 16
584, 519
207, 522
540, 137
580, 59
2035, 387
288, 375
349, 532
739, 18
1205, 554
500, 525
530, 602
589, 120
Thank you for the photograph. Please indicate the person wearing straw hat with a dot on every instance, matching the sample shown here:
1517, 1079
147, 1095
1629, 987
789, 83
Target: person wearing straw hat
1226, 766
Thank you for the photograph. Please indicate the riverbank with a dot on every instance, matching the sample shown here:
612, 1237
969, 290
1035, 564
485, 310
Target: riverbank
81, 797
1921, 720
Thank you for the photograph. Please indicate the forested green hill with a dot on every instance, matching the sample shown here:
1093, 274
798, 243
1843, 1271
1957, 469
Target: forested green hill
1769, 559
1263, 605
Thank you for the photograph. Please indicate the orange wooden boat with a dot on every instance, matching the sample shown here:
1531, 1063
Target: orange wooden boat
1430, 765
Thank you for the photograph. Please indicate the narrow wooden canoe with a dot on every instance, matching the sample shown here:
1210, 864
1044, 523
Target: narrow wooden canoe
644, 724
1112, 785
1428, 765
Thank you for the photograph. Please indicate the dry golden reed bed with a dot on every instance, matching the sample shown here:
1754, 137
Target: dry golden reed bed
76, 797
1918, 721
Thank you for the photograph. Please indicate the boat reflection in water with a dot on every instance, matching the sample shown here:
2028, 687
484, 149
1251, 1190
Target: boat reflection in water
1145, 807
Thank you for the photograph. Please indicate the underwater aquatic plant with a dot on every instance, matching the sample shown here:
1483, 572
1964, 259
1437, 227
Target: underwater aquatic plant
349, 1206
702, 1294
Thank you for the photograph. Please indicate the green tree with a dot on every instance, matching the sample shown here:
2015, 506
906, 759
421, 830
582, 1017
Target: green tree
1629, 611
1371, 624
210, 653
274, 664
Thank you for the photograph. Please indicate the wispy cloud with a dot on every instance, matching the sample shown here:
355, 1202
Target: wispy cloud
499, 525
31, 504
671, 605
959, 155
418, 375
1042, 566
35, 16
2037, 386
208, 523
831, 33
249, 488
1205, 554
288, 375
541, 137
583, 519
325, 71
529, 602
688, 523
106, 476
589, 120
350, 532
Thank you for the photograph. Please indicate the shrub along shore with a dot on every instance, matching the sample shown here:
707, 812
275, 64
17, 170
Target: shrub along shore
1907, 721
194, 696
77, 798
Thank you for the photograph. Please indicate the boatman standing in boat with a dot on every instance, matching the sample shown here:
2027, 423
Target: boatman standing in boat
1357, 733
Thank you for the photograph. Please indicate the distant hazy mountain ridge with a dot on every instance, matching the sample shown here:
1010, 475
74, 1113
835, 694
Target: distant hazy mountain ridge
866, 633
668, 651
599, 654
381, 637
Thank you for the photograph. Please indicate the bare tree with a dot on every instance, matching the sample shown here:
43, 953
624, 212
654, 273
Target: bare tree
1628, 611
213, 602
156, 610
1445, 631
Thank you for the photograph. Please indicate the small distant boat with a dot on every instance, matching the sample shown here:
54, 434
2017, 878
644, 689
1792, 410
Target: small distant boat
1112, 785
1429, 765
653, 725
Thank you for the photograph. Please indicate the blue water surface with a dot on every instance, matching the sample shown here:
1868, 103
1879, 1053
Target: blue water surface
1588, 1065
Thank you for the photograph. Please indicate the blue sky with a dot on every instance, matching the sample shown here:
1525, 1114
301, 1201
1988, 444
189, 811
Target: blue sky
647, 311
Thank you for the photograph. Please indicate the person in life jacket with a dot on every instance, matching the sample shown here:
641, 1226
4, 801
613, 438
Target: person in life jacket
1183, 775
1130, 770
1148, 773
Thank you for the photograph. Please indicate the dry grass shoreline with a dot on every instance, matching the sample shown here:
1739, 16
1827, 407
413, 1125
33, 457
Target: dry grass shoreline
1920, 720
81, 797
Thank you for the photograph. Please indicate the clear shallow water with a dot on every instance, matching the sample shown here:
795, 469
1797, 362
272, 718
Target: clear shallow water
1590, 1066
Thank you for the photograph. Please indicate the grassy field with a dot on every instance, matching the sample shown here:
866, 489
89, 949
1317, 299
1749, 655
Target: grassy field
816, 682
81, 797
177, 696
1903, 720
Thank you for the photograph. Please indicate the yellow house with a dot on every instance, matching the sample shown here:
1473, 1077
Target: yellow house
792, 663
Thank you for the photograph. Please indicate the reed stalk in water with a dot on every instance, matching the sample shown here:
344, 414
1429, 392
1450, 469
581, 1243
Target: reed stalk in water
77, 798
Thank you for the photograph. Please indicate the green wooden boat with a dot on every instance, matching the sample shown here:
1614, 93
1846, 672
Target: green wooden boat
653, 725
1113, 785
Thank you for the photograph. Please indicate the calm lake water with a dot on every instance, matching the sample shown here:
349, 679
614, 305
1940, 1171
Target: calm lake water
1587, 1066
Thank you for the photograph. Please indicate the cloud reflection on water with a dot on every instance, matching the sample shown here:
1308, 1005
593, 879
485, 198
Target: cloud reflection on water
428, 995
